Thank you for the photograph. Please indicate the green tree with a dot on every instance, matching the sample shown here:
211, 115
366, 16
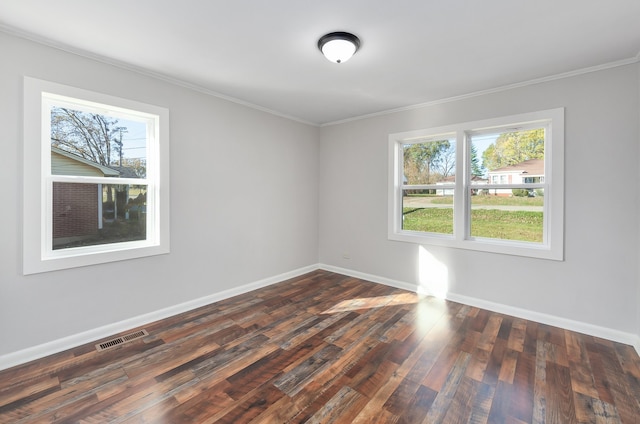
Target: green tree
477, 170
514, 147
427, 163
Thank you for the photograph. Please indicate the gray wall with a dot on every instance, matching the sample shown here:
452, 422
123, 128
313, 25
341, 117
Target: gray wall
243, 204
597, 284
255, 196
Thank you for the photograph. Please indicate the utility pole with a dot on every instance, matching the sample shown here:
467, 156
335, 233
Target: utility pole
120, 145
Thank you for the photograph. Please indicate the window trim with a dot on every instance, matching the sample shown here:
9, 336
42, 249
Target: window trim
36, 177
552, 246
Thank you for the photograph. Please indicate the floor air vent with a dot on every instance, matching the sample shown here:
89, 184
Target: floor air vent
121, 340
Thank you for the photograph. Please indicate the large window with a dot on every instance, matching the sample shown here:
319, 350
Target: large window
494, 185
95, 178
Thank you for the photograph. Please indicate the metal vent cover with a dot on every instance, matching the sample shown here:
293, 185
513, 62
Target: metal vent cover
121, 340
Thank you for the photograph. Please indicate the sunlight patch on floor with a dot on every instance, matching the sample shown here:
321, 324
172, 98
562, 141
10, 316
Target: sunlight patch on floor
373, 302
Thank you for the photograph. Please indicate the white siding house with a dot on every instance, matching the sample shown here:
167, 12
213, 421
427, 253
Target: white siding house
527, 172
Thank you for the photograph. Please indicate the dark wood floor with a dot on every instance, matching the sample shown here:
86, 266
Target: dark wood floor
325, 348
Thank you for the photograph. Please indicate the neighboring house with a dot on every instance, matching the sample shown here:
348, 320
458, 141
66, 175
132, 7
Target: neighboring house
527, 172
77, 208
475, 180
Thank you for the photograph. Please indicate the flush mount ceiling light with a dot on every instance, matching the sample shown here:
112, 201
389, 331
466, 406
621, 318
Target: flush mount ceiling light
338, 47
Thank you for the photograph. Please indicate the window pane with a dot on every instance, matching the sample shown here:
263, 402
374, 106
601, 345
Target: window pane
428, 211
508, 157
430, 162
90, 144
92, 214
517, 218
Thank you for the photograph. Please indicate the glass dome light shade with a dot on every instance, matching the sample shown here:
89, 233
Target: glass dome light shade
338, 47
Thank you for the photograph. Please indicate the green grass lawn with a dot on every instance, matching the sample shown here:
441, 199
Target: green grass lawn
493, 200
490, 223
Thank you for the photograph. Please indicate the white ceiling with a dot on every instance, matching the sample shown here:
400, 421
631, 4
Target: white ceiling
264, 52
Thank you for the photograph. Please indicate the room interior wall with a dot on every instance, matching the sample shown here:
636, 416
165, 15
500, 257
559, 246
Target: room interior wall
596, 284
256, 196
243, 203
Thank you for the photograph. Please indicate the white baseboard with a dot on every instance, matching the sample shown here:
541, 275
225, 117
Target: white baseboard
50, 348
577, 326
369, 277
75, 340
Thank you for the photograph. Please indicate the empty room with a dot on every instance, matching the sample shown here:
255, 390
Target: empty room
342, 212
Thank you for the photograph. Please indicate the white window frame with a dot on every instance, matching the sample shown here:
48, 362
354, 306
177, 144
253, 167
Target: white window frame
552, 246
38, 254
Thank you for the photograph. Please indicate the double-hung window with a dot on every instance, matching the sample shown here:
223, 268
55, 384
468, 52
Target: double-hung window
96, 181
495, 185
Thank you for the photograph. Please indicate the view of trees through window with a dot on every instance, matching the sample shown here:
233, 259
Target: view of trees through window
506, 184
429, 162
105, 200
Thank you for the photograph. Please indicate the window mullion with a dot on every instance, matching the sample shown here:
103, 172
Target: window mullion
460, 207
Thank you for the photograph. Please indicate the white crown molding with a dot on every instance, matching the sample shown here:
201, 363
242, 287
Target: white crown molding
143, 71
176, 81
569, 74
40, 351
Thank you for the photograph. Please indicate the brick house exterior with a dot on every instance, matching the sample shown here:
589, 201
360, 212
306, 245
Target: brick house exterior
76, 207
75, 211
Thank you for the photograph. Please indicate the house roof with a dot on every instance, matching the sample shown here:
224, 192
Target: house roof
452, 178
264, 53
125, 171
531, 166
106, 171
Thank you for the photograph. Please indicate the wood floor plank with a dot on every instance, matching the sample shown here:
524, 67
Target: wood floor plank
400, 395
252, 407
582, 379
284, 410
481, 403
490, 333
560, 407
495, 363
623, 399
501, 403
460, 409
508, 368
540, 385
517, 335
419, 406
328, 348
478, 364
591, 410
200, 404
441, 403
24, 393
523, 388
599, 375
293, 381
341, 408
